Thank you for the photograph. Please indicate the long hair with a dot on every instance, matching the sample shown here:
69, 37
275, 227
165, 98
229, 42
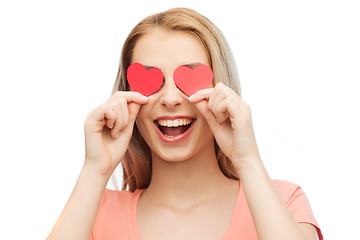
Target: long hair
137, 163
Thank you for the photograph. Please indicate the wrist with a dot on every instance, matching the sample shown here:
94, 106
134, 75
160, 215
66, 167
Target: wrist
92, 174
249, 166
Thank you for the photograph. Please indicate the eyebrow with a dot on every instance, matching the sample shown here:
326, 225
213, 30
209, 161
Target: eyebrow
193, 65
190, 65
148, 67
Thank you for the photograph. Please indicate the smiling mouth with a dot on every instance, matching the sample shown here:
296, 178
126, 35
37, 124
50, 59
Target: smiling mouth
173, 128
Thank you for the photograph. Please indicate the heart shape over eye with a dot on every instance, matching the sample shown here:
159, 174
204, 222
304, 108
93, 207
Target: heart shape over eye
144, 81
190, 80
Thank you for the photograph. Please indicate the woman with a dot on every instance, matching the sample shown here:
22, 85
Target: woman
190, 161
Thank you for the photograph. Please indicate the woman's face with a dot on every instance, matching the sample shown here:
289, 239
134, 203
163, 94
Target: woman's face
169, 123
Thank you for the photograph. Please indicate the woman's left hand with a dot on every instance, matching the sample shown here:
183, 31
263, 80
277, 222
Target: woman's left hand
229, 118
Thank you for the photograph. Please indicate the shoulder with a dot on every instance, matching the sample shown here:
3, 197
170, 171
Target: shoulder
115, 195
297, 203
116, 200
117, 203
286, 189
293, 196
116, 214
284, 185
291, 193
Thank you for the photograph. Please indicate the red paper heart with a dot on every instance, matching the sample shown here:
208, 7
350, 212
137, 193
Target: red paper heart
190, 81
144, 81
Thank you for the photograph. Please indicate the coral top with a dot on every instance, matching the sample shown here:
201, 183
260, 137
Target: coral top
116, 217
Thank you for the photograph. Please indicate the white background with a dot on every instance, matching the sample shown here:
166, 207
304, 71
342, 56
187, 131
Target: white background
299, 65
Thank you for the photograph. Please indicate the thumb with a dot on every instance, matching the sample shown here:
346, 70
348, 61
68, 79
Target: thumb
133, 111
209, 116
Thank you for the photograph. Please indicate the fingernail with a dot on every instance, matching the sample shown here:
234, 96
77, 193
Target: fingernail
145, 97
217, 119
191, 97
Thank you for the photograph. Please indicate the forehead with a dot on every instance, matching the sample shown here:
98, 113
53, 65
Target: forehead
162, 49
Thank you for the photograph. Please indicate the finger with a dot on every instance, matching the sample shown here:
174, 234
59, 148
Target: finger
133, 111
218, 102
215, 98
225, 102
125, 111
209, 116
122, 116
220, 93
220, 111
200, 95
100, 117
108, 115
131, 96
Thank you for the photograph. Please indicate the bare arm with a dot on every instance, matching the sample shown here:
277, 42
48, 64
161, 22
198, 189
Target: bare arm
108, 131
77, 219
229, 118
271, 216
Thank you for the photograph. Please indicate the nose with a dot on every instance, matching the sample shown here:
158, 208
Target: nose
171, 96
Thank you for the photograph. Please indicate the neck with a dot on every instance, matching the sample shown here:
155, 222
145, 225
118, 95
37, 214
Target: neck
186, 182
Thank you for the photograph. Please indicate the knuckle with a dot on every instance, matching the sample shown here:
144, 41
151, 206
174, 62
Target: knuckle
88, 119
122, 101
210, 105
102, 107
117, 94
89, 115
220, 85
228, 101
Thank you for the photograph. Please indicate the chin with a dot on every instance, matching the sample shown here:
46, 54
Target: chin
184, 152
174, 155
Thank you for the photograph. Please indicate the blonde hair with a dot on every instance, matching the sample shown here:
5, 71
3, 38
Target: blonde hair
137, 164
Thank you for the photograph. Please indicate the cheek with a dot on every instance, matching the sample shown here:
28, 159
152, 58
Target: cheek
206, 130
144, 122
145, 131
145, 111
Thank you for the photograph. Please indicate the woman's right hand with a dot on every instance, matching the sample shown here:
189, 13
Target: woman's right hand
108, 130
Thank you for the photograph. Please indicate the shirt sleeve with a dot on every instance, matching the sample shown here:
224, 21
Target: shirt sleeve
298, 204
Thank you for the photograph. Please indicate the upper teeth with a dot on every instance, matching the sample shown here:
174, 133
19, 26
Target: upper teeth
174, 123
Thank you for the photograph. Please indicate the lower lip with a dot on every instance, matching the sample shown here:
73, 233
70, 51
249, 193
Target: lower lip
177, 138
